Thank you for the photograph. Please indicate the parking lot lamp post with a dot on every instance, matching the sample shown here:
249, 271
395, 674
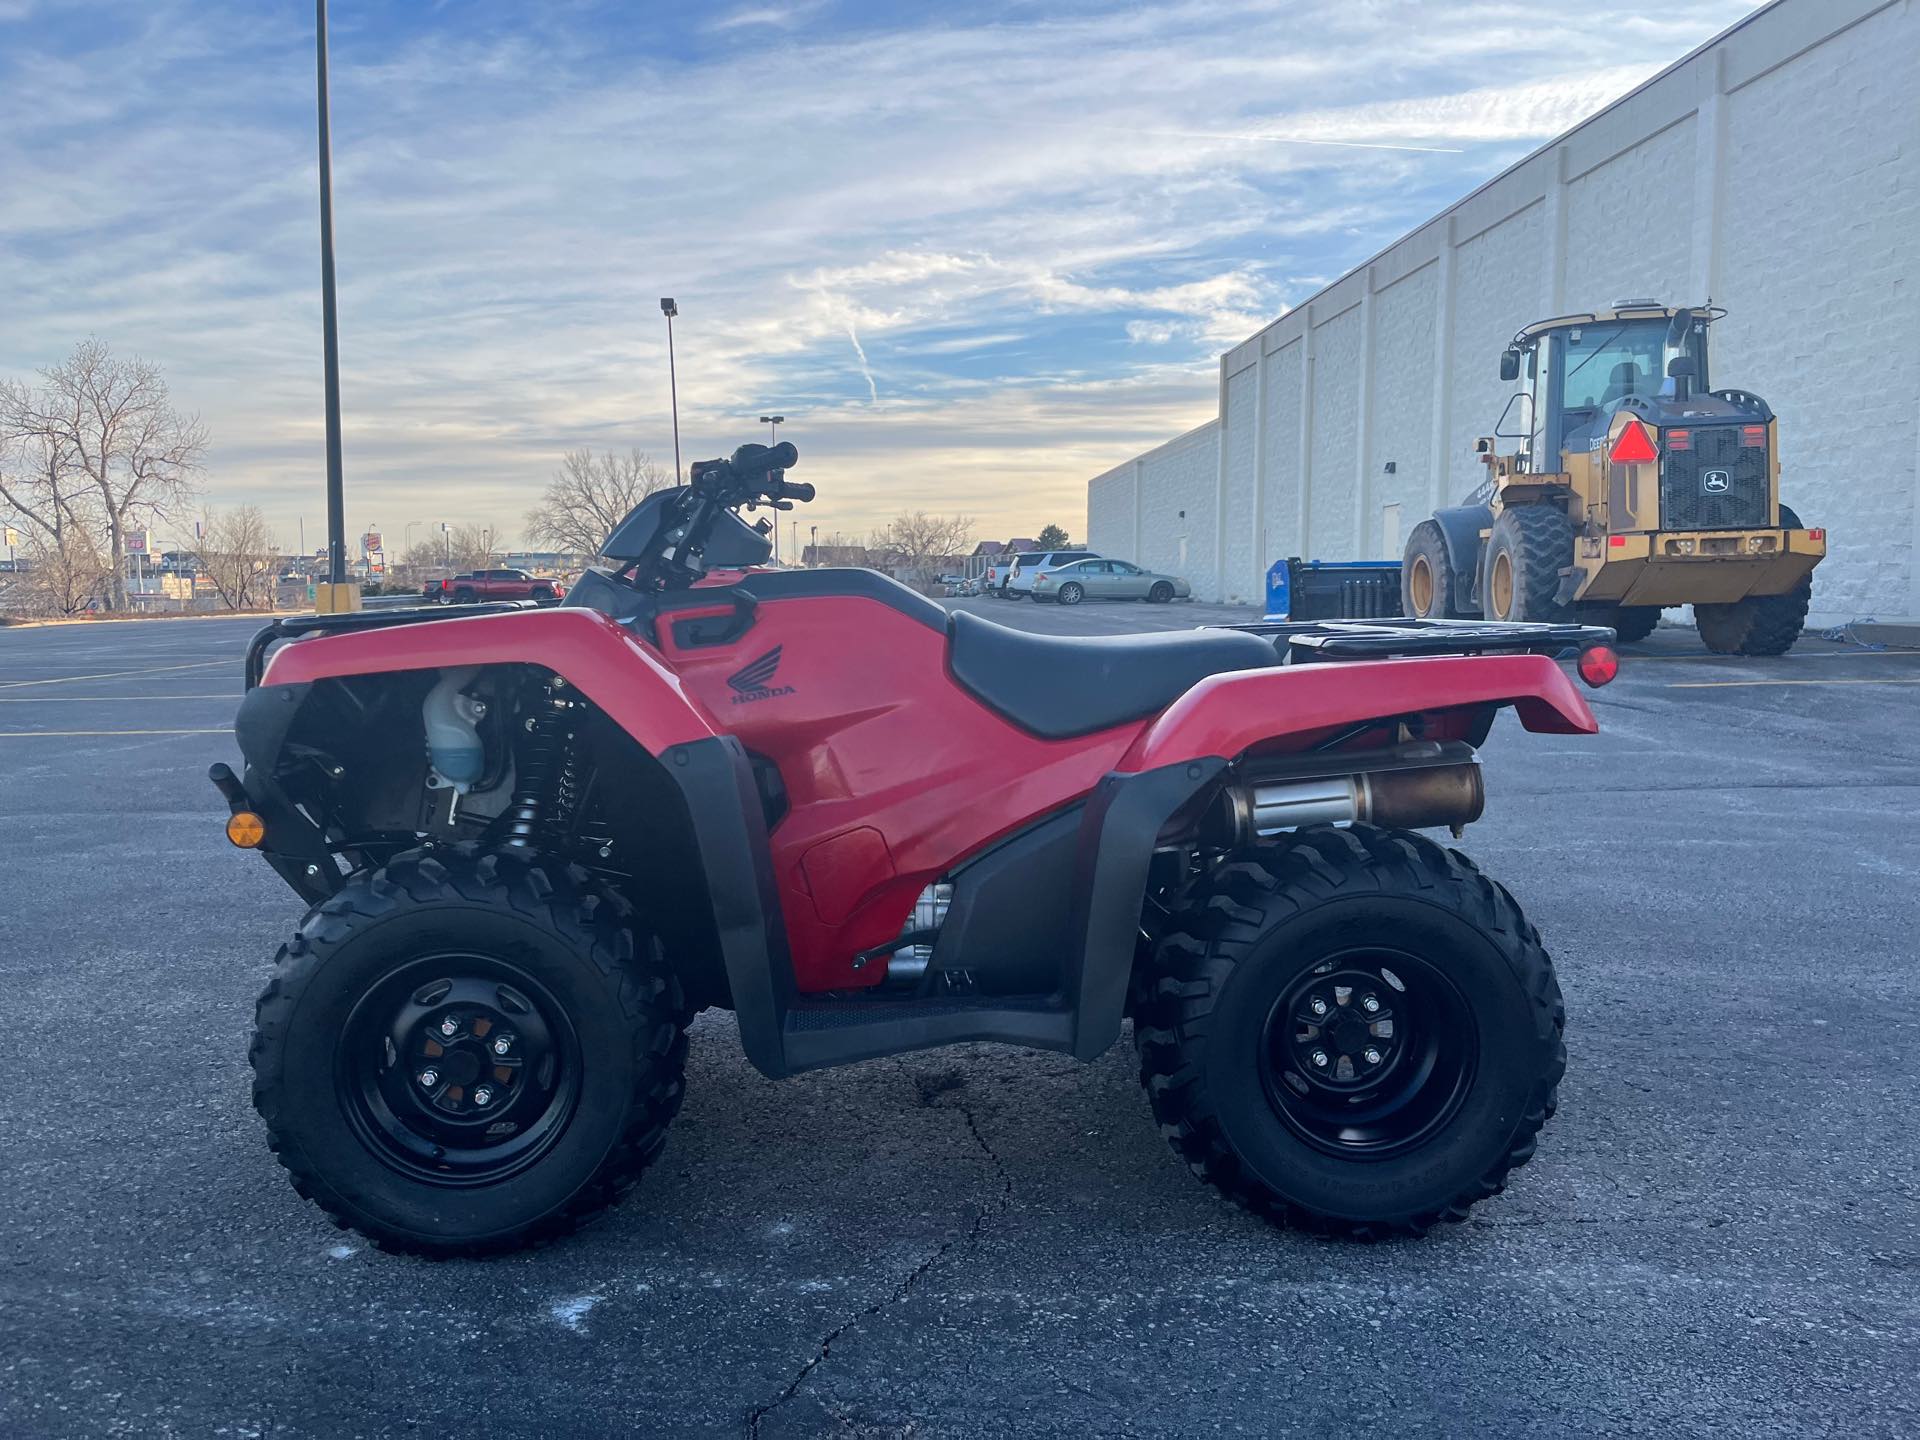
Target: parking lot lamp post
669, 309
773, 424
337, 594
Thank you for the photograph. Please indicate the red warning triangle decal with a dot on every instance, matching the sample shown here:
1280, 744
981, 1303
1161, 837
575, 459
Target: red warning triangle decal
1634, 447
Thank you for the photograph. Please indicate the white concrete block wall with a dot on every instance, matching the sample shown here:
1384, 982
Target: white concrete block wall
1400, 419
1500, 285
1818, 267
1629, 223
1171, 491
1776, 170
1337, 356
1110, 513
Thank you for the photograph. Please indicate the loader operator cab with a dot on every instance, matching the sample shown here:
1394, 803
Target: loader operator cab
1579, 368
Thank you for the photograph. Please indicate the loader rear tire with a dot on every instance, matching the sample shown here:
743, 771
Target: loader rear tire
1429, 589
1632, 623
461, 1054
1759, 624
1342, 1124
1529, 547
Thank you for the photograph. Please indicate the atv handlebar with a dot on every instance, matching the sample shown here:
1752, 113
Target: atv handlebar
794, 490
764, 458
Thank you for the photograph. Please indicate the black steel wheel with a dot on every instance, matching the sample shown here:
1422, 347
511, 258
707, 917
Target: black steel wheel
1369, 1052
1072, 593
1352, 1031
461, 1053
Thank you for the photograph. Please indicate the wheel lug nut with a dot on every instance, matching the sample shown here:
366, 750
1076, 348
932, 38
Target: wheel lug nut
449, 1026
1370, 1055
483, 1096
1317, 1005
502, 1044
429, 1079
1319, 1058
1370, 1004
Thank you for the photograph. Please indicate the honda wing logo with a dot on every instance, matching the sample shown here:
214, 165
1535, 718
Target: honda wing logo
754, 681
1716, 482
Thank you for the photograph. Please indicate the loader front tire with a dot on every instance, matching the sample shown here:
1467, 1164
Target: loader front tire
1352, 1032
1632, 623
1529, 547
461, 1054
1429, 589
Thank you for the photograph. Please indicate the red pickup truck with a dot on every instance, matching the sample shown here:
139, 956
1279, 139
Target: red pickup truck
492, 585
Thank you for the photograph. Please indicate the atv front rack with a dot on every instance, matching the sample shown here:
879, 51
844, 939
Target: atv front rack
1306, 641
300, 627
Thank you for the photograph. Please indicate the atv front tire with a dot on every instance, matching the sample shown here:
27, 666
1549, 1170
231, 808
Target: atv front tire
1353, 1032
465, 1054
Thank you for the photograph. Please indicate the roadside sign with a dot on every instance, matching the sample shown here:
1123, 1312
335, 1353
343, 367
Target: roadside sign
13, 537
138, 541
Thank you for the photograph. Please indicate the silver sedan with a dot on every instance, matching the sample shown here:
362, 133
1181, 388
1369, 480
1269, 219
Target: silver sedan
1107, 580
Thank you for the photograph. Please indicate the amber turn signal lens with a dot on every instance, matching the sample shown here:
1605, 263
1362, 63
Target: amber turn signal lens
1598, 665
246, 829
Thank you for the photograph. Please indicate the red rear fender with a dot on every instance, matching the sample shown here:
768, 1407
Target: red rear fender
598, 656
1291, 707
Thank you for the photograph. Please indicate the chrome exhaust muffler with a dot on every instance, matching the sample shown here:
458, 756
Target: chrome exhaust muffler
1412, 798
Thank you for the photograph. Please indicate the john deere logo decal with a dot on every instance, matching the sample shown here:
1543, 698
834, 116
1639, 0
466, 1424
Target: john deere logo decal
1716, 482
752, 681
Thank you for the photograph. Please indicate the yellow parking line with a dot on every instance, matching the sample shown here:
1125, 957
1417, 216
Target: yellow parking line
111, 674
34, 734
1724, 684
1629, 657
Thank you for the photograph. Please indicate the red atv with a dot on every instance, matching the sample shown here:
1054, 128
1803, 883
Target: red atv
536, 841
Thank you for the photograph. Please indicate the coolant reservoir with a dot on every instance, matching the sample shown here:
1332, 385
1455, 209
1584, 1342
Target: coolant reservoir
452, 722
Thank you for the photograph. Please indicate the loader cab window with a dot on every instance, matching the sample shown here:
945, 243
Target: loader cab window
1594, 367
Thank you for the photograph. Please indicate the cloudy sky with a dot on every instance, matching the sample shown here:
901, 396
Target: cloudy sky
976, 252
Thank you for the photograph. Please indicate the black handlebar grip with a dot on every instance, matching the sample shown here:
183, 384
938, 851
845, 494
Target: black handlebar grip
778, 457
794, 490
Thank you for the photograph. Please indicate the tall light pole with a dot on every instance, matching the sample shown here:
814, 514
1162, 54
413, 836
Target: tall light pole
669, 309
773, 424
338, 595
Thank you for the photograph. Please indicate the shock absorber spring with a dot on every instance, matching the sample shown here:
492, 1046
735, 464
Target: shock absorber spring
543, 780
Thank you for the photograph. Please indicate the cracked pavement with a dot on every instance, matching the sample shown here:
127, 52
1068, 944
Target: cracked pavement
1721, 1231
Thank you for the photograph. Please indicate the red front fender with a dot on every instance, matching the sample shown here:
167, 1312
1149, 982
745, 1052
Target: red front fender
598, 656
1291, 707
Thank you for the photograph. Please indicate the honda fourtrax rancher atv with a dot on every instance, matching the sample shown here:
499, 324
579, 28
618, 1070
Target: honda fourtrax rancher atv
536, 841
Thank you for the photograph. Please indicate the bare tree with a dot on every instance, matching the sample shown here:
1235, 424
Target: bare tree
588, 495
236, 553
39, 487
918, 543
60, 579
117, 433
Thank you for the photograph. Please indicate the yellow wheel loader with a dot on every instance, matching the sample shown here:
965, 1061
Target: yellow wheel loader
1634, 487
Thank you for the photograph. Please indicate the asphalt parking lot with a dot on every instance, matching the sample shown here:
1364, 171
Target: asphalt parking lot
1721, 1230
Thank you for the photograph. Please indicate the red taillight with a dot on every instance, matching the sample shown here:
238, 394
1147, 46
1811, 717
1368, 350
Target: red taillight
1616, 542
1598, 665
1634, 447
1679, 440
1753, 437
1816, 534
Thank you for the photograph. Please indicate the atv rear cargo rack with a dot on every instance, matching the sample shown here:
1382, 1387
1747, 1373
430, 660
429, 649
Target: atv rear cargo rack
300, 627
1306, 641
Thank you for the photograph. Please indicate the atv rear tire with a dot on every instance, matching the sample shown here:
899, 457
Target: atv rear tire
1759, 624
1332, 947
1429, 590
550, 1087
1529, 547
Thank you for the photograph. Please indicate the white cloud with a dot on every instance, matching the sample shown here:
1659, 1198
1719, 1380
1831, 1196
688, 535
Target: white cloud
861, 244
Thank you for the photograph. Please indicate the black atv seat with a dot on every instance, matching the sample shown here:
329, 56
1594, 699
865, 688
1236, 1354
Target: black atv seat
1060, 686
